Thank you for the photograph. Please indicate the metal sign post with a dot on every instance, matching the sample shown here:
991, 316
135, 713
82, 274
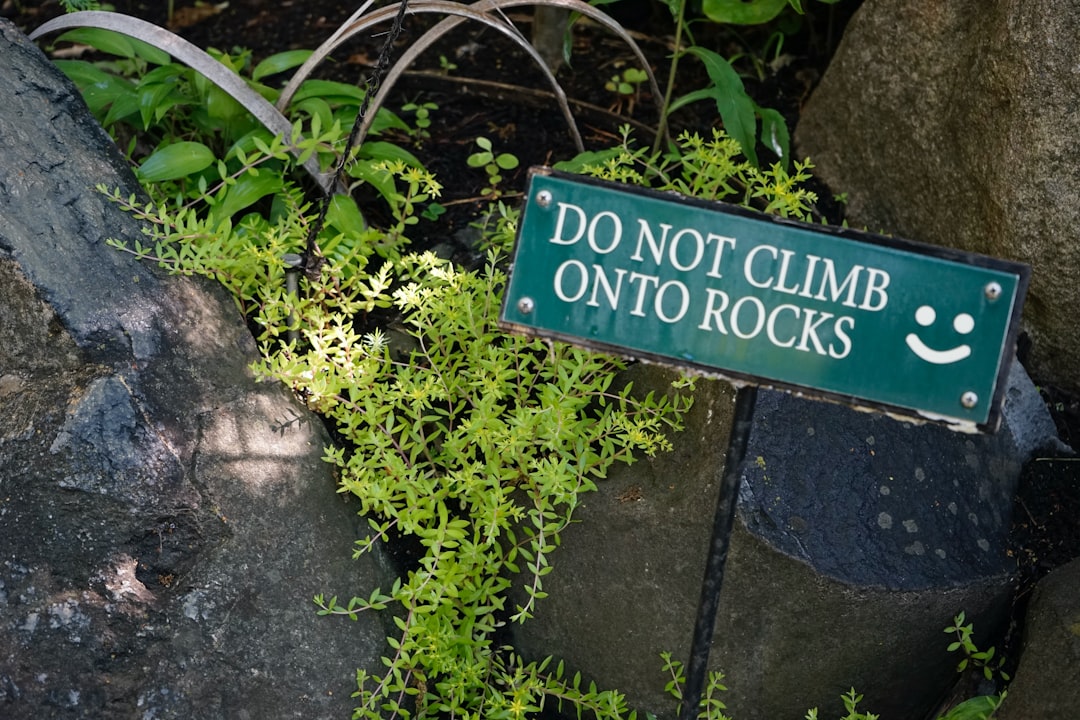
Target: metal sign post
723, 523
915, 331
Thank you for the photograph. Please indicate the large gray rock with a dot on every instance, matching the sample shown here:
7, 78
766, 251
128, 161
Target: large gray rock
954, 123
164, 519
1045, 686
858, 539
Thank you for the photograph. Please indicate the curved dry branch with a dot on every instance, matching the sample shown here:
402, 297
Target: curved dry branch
355, 25
458, 13
265, 112
318, 55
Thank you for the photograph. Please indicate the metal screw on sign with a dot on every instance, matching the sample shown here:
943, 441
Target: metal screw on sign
543, 198
969, 399
526, 305
993, 291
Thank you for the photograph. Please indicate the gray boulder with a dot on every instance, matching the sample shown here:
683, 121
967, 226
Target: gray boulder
858, 539
164, 518
954, 123
1045, 686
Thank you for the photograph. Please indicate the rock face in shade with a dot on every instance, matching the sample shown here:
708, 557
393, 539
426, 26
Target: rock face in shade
1044, 685
954, 123
859, 538
164, 519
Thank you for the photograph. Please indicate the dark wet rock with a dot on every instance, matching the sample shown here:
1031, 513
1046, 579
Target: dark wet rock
1045, 684
859, 538
164, 518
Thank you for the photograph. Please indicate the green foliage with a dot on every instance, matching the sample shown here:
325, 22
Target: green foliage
476, 445
493, 164
479, 445
627, 87
851, 702
738, 112
981, 707
422, 119
750, 12
180, 128
713, 169
71, 6
627, 83
982, 660
712, 707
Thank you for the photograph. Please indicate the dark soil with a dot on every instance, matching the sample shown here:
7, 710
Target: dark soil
494, 92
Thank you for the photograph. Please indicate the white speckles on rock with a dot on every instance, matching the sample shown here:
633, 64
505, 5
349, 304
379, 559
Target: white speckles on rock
940, 553
952, 508
911, 526
915, 548
191, 604
983, 544
884, 521
884, 490
920, 474
973, 518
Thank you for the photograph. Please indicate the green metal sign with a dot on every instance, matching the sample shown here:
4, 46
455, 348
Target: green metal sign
910, 329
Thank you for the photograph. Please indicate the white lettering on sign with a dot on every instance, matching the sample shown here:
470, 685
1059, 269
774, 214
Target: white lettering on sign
774, 271
816, 304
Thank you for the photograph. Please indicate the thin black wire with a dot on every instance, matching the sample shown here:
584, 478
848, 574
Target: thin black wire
311, 260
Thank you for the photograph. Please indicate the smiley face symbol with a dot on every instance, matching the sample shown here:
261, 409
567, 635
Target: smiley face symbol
962, 324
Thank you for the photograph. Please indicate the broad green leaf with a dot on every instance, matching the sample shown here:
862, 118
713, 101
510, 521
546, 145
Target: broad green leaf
170, 73
330, 91
344, 215
106, 41
220, 105
280, 62
735, 106
247, 190
175, 161
98, 87
150, 53
123, 106
506, 161
775, 135
366, 170
114, 43
976, 708
316, 108
387, 120
150, 99
691, 97
590, 157
738, 12
382, 150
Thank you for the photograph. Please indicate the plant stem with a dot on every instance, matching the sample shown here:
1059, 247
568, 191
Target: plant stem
661, 130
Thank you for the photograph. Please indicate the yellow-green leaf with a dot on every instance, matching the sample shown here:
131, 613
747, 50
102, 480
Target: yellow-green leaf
175, 161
